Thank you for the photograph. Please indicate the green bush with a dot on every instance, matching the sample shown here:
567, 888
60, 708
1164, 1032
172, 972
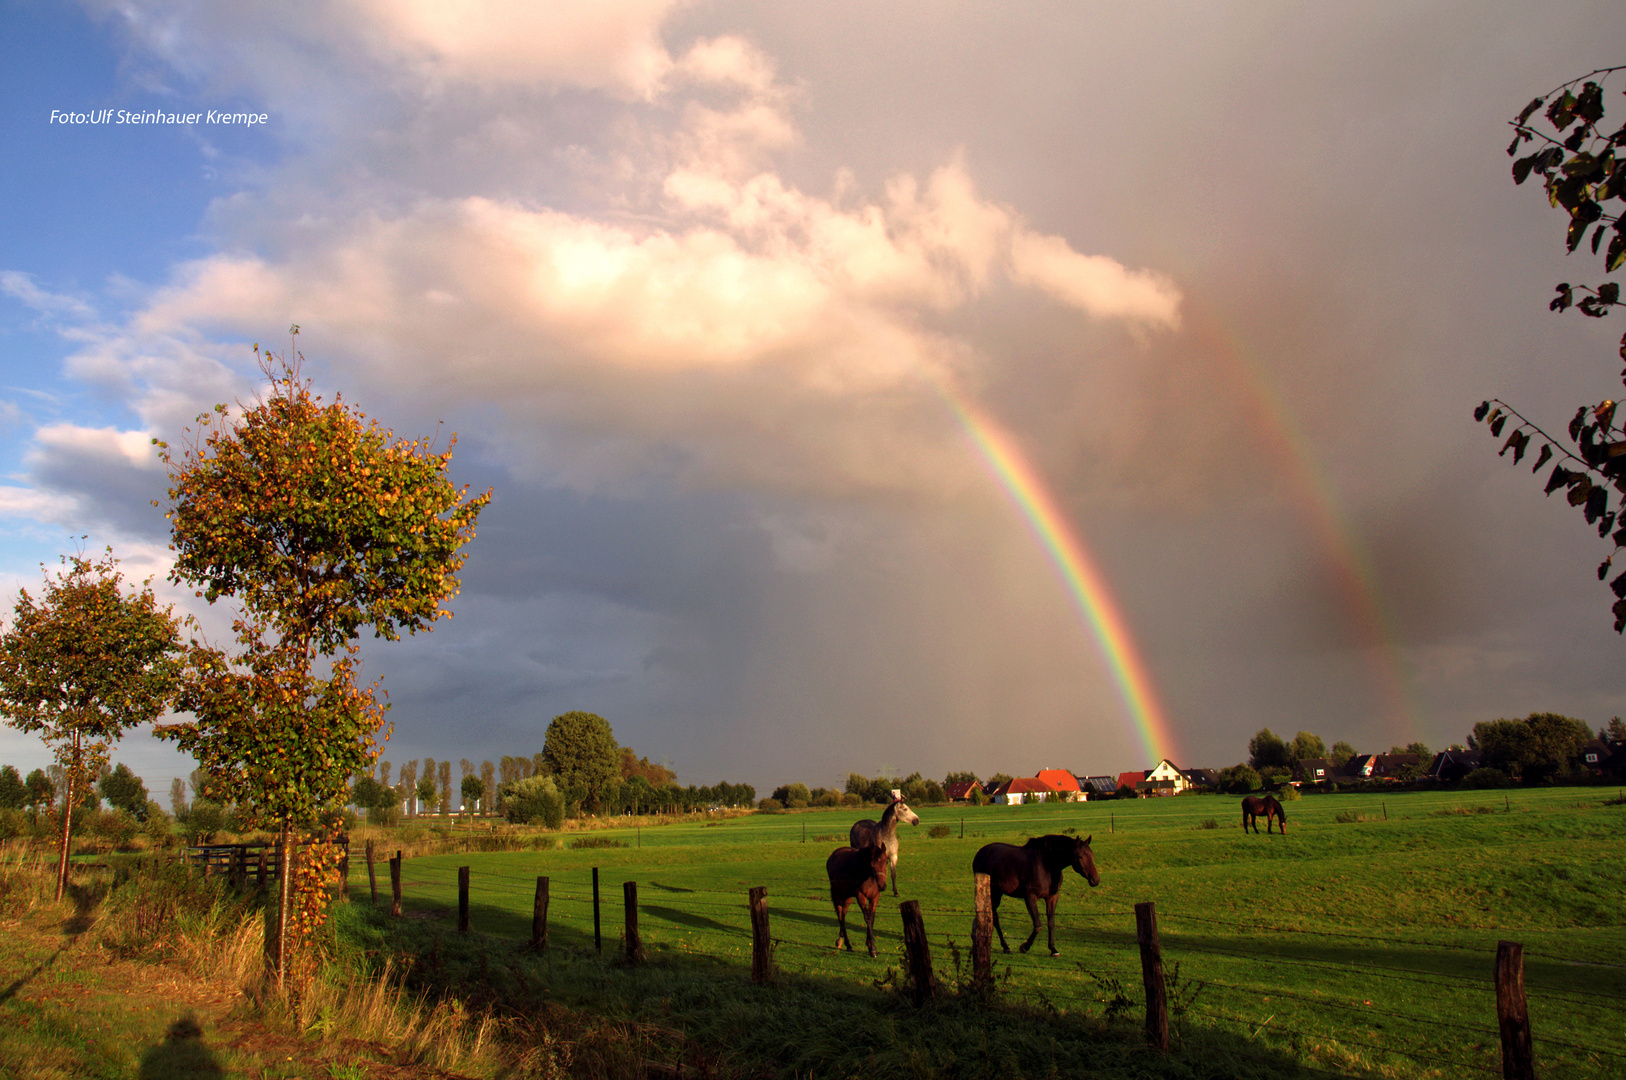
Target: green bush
535, 800
584, 842
1486, 778
938, 832
205, 818
13, 823
1207, 823
1290, 794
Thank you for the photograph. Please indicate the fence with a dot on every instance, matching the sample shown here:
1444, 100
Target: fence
1357, 1017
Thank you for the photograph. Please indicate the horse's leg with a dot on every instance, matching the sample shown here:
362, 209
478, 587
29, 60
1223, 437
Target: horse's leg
893, 871
841, 925
1248, 819
1050, 918
869, 921
993, 905
1033, 913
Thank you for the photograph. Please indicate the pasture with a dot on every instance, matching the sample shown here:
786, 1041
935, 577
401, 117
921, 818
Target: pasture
1360, 943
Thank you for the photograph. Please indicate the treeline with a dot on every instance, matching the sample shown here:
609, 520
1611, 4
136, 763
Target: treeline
1540, 748
580, 770
31, 806
861, 789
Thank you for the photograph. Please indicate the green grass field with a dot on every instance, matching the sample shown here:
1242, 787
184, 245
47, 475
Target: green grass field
1360, 947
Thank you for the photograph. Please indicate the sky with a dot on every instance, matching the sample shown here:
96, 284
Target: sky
861, 388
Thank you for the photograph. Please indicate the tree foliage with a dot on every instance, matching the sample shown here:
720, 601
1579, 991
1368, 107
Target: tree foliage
1583, 172
580, 751
82, 664
1267, 750
124, 790
1306, 745
1536, 749
13, 792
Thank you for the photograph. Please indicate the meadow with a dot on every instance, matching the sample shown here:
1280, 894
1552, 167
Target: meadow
1360, 943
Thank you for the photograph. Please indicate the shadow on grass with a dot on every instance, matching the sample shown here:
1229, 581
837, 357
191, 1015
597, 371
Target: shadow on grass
39, 969
662, 1017
181, 1056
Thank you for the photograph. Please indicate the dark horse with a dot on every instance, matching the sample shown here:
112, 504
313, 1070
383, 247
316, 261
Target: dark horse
1268, 806
884, 833
1033, 871
856, 873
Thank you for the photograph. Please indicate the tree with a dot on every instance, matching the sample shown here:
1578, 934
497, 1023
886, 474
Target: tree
1615, 732
1267, 750
1306, 746
1535, 749
474, 789
535, 799
446, 788
81, 665
426, 787
581, 752
959, 778
1424, 754
319, 523
125, 791
1341, 752
794, 795
1583, 174
177, 797
13, 792
41, 792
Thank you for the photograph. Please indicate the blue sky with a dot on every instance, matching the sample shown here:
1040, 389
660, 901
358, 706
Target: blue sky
691, 281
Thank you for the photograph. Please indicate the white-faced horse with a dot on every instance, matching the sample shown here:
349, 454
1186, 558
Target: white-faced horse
885, 833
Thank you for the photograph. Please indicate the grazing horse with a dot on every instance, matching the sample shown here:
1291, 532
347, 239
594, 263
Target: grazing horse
856, 873
884, 833
1034, 871
1268, 806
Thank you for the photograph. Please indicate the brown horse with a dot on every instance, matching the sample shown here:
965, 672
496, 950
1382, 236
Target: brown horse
1034, 871
885, 833
856, 873
1268, 806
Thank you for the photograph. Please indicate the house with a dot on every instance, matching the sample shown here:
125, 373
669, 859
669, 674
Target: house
1390, 766
1360, 766
1165, 779
1592, 756
1130, 780
1313, 771
1203, 778
1096, 787
1026, 789
1453, 765
1063, 782
960, 790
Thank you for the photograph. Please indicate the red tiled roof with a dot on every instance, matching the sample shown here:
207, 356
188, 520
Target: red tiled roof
1025, 785
1059, 779
960, 789
1130, 779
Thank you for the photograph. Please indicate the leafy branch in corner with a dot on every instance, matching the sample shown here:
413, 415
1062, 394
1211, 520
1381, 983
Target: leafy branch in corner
1583, 171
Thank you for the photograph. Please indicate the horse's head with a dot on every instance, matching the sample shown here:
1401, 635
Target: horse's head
879, 861
906, 814
1084, 861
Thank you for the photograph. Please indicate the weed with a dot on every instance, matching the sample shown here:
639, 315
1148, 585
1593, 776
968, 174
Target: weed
1110, 992
938, 832
595, 842
1206, 823
1350, 817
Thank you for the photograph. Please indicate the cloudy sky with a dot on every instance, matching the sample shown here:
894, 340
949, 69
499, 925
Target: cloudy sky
778, 330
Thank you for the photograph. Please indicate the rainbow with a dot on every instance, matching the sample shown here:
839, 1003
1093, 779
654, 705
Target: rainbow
1082, 576
1355, 576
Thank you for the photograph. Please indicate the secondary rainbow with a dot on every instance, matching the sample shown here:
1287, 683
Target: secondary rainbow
1078, 570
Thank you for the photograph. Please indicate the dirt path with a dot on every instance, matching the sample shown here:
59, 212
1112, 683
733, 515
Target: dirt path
69, 1009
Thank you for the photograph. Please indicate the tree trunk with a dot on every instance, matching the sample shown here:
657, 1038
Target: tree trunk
67, 815
284, 889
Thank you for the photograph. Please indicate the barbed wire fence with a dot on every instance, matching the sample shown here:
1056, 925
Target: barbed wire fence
1223, 985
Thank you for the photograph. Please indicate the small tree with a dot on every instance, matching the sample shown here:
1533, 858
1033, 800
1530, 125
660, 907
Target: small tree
474, 789
426, 793
41, 792
124, 790
81, 665
319, 523
13, 792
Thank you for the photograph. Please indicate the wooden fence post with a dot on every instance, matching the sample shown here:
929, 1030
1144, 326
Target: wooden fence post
919, 954
598, 940
761, 944
634, 944
1151, 971
372, 874
462, 899
259, 874
982, 931
1512, 1015
539, 917
395, 885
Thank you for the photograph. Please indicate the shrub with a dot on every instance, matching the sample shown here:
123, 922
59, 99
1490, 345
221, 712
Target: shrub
770, 806
852, 799
1289, 793
1207, 823
157, 826
583, 842
828, 798
13, 823
1486, 777
938, 832
534, 800
1349, 817
205, 818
